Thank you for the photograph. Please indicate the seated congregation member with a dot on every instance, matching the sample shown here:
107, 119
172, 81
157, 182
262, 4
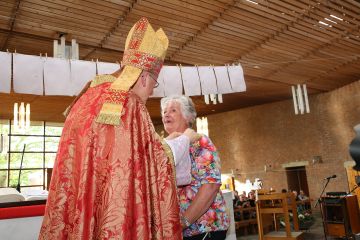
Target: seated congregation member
251, 198
236, 200
244, 203
236, 197
296, 195
112, 178
302, 196
305, 199
202, 206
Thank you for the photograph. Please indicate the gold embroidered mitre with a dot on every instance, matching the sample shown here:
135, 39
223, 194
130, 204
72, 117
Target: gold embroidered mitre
145, 49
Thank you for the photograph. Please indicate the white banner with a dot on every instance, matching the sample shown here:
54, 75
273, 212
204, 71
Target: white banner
208, 80
28, 74
67, 78
5, 72
223, 81
81, 72
172, 80
107, 68
57, 77
237, 80
191, 81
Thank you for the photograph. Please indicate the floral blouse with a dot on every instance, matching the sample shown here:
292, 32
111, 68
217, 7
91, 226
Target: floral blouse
205, 168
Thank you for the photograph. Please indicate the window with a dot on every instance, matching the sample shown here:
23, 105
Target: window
41, 141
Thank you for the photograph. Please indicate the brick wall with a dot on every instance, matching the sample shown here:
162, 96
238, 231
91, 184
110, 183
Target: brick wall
272, 135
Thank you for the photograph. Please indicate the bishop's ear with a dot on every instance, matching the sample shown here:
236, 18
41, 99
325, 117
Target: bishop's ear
143, 79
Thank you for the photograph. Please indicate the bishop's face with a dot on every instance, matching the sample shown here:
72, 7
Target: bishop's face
149, 83
173, 118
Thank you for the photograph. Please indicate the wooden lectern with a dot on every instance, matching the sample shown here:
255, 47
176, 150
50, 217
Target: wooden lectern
341, 216
268, 207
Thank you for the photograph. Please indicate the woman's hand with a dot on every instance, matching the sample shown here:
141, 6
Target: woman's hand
173, 135
192, 135
184, 222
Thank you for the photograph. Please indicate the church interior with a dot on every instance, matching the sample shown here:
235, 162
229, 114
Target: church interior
276, 86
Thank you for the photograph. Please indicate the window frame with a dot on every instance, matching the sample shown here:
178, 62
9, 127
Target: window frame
44, 166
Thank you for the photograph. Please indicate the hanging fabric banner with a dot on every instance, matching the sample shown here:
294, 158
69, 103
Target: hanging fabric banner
107, 68
191, 81
81, 72
55, 85
57, 76
208, 80
172, 80
223, 81
236, 75
5, 72
28, 74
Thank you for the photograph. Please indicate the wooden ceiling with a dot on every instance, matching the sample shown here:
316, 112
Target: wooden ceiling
278, 43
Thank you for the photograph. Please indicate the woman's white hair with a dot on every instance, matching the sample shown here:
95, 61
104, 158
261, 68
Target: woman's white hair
186, 105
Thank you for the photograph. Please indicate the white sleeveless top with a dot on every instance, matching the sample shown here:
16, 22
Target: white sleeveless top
180, 149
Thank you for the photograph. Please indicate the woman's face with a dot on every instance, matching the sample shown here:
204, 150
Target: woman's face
251, 195
173, 118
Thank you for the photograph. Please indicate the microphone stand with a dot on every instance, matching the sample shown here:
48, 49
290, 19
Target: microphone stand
321, 208
21, 163
318, 201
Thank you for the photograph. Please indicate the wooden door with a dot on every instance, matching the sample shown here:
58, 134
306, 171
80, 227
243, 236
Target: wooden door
297, 179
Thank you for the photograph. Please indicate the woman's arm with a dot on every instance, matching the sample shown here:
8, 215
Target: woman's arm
202, 201
207, 160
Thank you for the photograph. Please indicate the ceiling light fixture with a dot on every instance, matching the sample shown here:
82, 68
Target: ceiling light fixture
213, 98
61, 50
330, 20
336, 17
21, 116
250, 1
323, 23
300, 99
202, 125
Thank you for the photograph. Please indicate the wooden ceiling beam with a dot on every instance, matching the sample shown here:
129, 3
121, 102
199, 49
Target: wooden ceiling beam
282, 30
14, 14
202, 30
50, 39
46, 8
118, 23
312, 52
352, 60
104, 50
343, 8
291, 26
286, 33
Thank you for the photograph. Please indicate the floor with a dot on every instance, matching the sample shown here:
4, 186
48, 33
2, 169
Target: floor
316, 232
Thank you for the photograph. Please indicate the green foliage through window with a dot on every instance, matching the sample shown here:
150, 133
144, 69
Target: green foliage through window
41, 140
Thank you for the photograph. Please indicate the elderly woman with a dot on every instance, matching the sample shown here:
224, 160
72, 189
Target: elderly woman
202, 206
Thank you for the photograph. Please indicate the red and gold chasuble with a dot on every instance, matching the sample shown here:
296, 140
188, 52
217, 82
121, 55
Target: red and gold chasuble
111, 182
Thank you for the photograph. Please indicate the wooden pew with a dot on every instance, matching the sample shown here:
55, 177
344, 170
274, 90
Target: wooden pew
245, 224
